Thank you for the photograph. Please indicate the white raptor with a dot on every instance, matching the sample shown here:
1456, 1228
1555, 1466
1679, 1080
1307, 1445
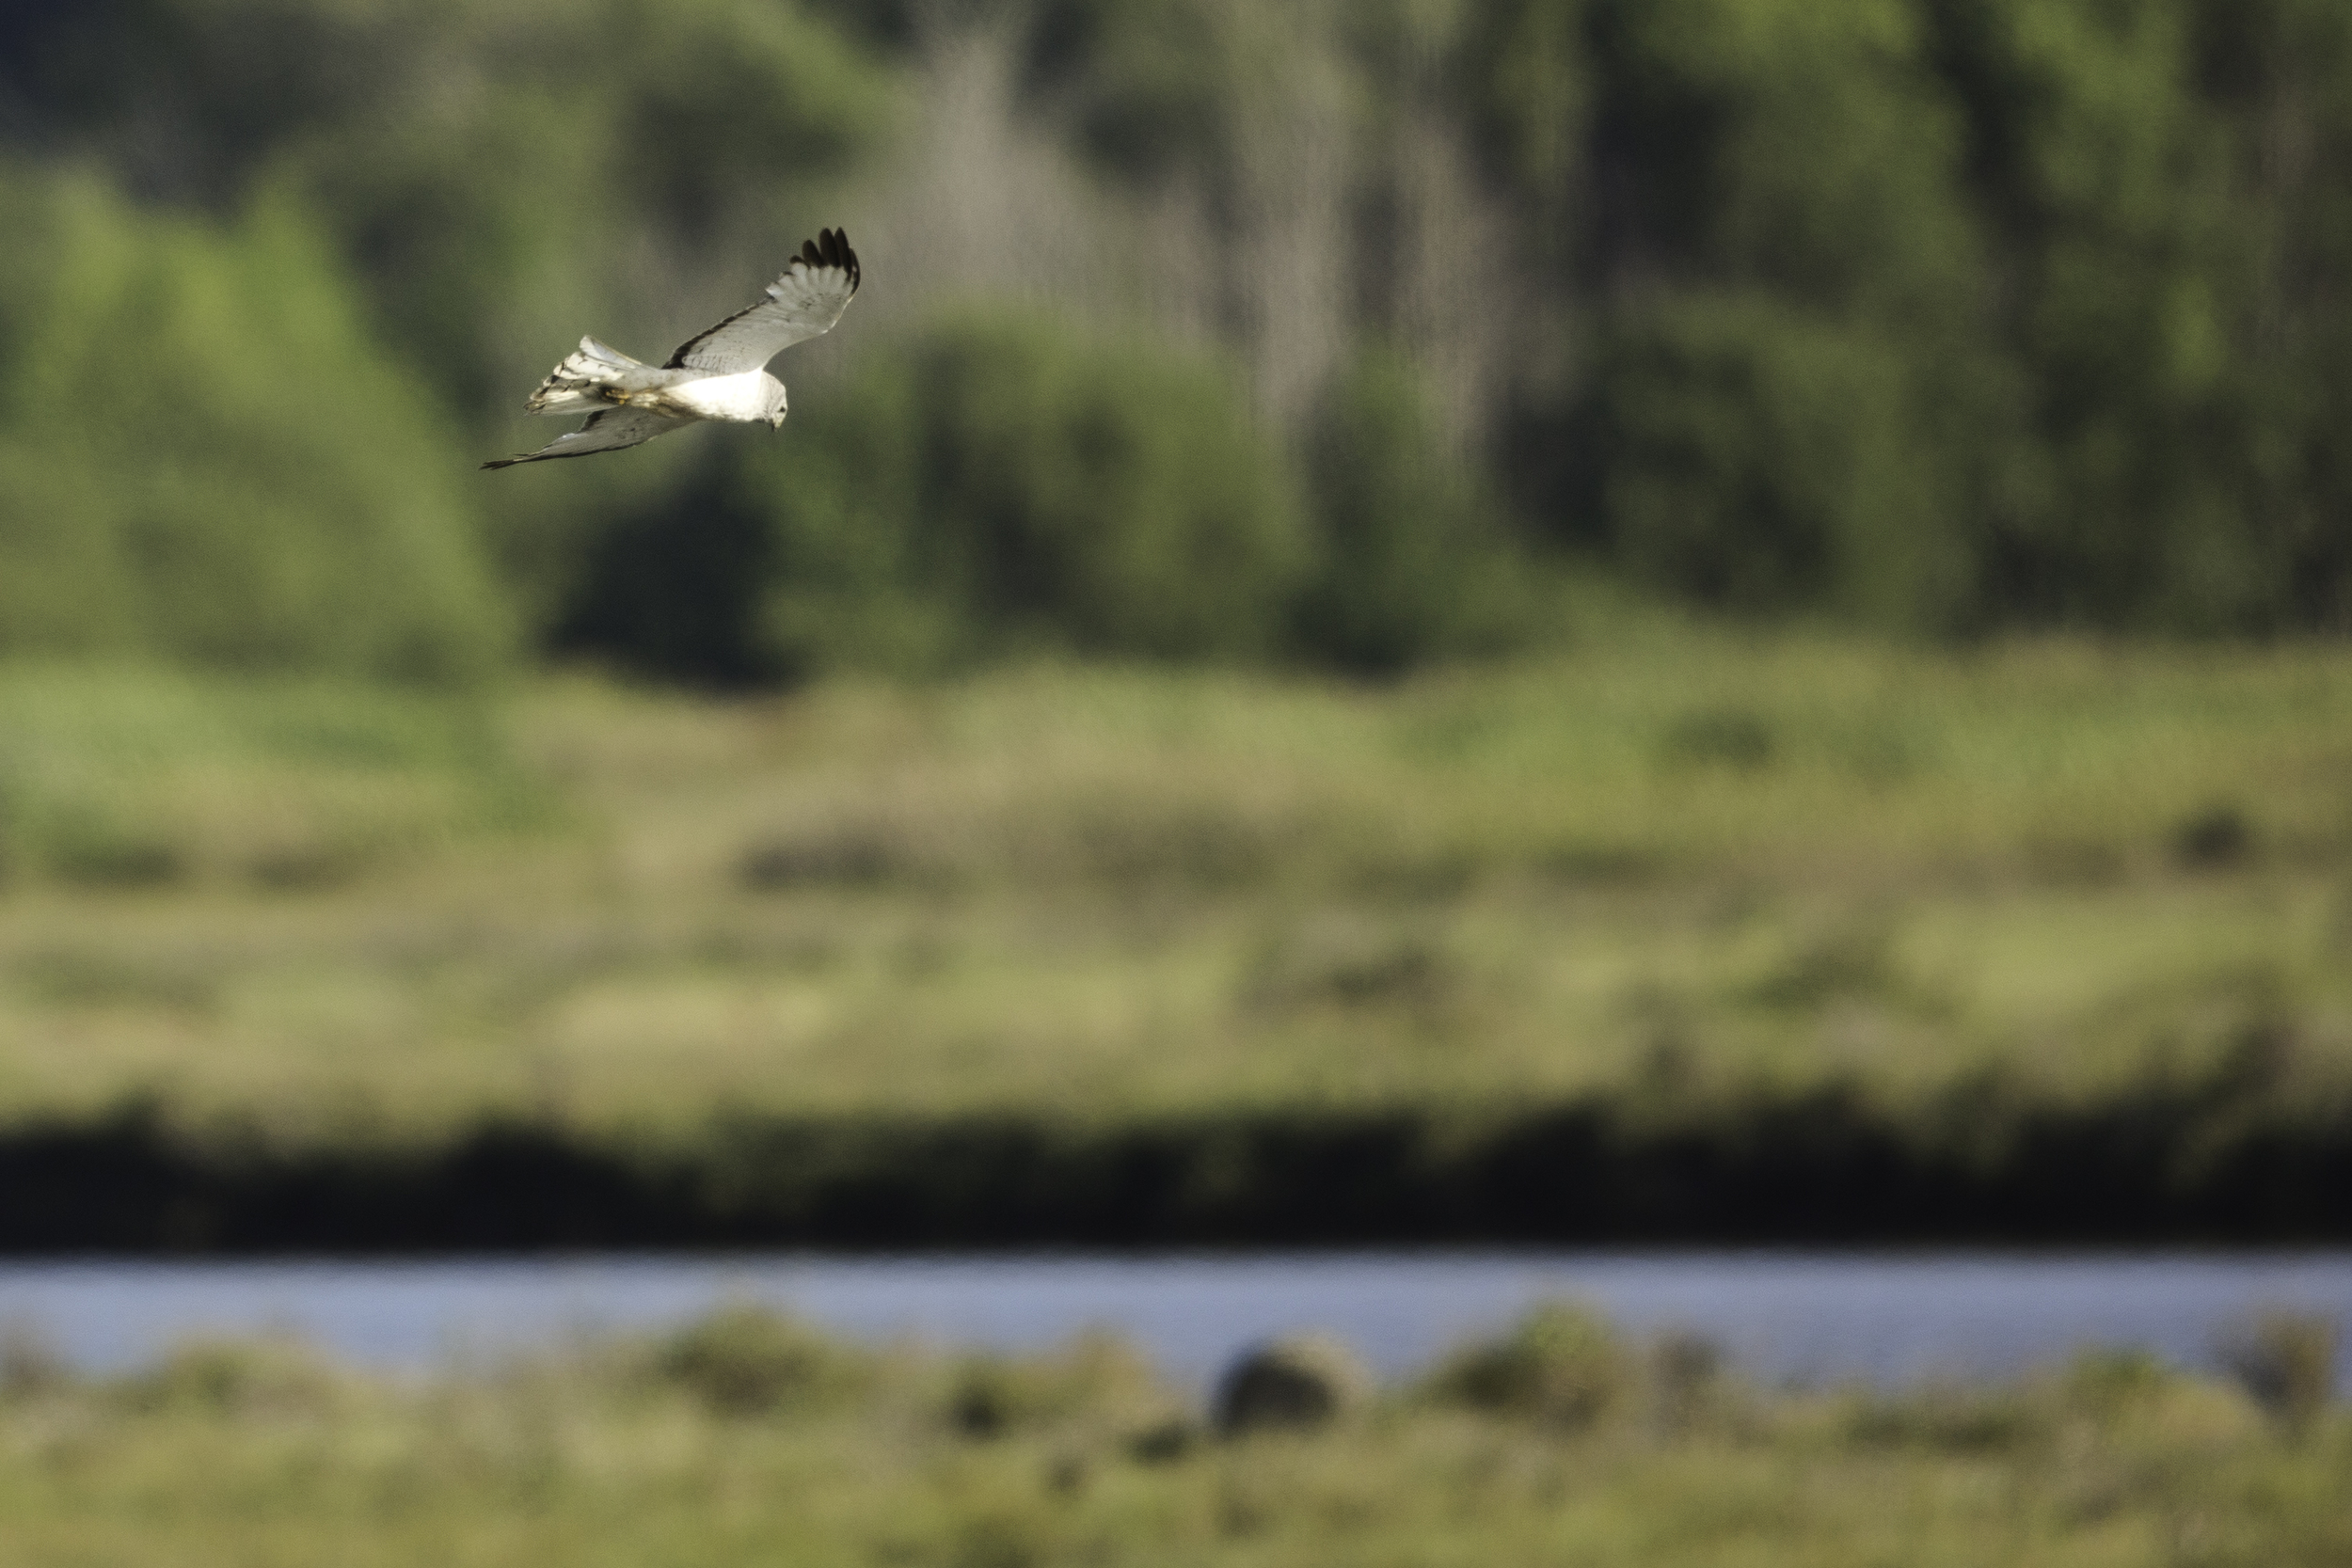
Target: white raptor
718, 375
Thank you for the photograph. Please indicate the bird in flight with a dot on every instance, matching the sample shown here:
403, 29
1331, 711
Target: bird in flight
718, 375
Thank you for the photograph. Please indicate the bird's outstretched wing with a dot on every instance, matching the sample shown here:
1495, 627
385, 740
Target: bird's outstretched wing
805, 301
609, 431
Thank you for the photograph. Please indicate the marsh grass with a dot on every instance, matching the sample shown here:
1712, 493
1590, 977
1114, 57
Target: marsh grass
576, 1455
1103, 892
141, 777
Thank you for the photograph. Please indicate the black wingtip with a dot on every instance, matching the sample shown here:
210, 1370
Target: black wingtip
503, 462
831, 248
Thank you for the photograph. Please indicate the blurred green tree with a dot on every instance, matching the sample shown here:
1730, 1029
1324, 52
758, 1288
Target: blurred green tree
204, 456
999, 481
1414, 559
2170, 187
1793, 405
1938, 315
1158, 88
1104, 493
499, 178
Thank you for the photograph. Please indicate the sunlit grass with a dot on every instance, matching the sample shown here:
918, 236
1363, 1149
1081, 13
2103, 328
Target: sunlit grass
1097, 892
126, 776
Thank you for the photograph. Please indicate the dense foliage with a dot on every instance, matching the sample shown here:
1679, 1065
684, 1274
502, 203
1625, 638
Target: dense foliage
1942, 315
205, 457
996, 482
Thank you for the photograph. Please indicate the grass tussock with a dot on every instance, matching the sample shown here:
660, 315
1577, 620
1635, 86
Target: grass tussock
259, 1453
1560, 1364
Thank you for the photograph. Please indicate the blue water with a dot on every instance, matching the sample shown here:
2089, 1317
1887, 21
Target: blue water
1782, 1318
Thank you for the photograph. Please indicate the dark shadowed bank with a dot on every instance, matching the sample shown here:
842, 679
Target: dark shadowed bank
2224, 1159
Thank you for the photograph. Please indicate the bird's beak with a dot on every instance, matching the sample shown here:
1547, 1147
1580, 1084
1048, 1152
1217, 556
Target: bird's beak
776, 424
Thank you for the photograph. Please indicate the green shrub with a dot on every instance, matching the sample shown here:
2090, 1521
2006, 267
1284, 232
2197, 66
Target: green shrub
2111, 1384
2286, 1362
2166, 182
723, 95
244, 1377
853, 576
746, 1360
30, 1367
1762, 458
1098, 1380
204, 458
1686, 1379
1159, 88
1413, 562
1955, 1420
1103, 494
1562, 1364
491, 209
1001, 483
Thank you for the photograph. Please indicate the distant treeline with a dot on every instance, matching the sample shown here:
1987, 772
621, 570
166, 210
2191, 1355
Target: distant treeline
1194, 328
2238, 1155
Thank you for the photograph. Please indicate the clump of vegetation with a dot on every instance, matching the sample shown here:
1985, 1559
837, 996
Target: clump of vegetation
1099, 1381
1854, 961
249, 527
999, 484
1686, 1380
1951, 1418
2113, 1384
1735, 738
847, 858
1353, 966
2286, 1362
1561, 1365
2217, 838
1414, 560
30, 1366
265, 1377
746, 1360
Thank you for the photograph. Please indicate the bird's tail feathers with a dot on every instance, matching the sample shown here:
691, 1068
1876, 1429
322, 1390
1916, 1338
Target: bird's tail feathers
606, 353
586, 378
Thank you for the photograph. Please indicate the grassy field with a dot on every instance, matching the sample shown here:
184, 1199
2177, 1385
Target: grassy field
746, 1440
1667, 855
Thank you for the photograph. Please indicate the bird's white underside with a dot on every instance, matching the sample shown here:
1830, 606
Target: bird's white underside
743, 399
745, 396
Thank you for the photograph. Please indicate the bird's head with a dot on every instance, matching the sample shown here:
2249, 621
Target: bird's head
775, 420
